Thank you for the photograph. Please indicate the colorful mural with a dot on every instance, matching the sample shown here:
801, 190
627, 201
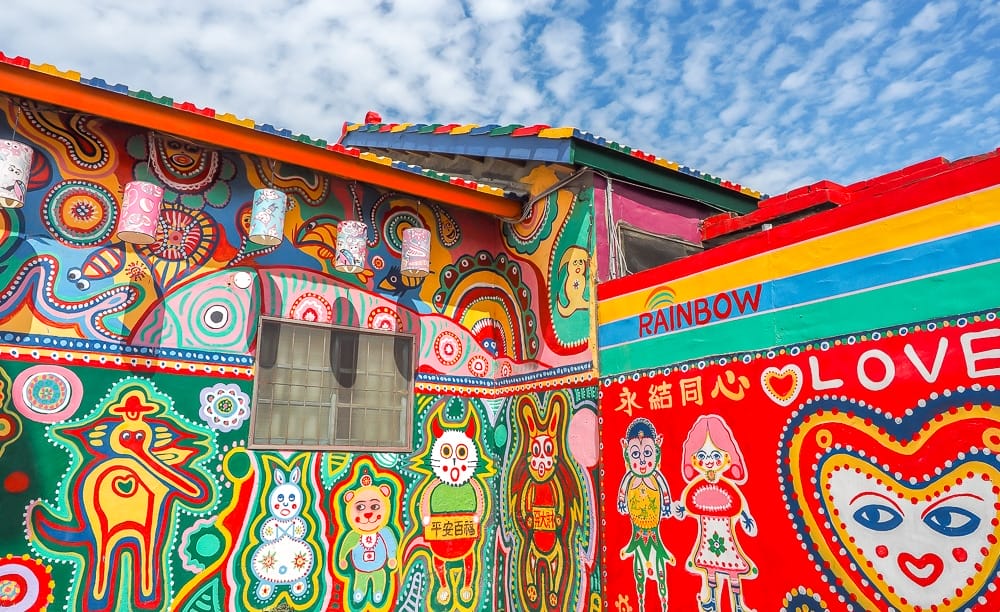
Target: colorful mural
548, 521
127, 382
822, 398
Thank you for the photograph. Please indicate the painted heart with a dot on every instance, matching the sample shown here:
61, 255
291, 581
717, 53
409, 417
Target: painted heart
782, 385
899, 511
123, 485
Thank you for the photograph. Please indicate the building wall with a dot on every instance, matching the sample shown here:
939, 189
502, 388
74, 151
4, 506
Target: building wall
102, 341
620, 204
804, 419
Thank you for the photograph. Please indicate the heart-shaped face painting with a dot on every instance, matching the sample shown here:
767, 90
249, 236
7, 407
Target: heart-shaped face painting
782, 385
899, 511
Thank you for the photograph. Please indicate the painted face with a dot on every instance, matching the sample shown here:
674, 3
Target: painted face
642, 455
368, 510
926, 544
182, 156
710, 460
10, 174
285, 501
454, 457
542, 459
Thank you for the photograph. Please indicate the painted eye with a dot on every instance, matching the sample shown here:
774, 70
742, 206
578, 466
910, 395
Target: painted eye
548, 447
83, 284
635, 453
446, 450
700, 455
462, 452
878, 517
375, 506
716, 456
216, 316
535, 450
139, 435
126, 436
952, 521
281, 497
647, 453
291, 497
74, 274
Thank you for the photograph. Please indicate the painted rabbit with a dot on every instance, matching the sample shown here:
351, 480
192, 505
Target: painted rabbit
283, 557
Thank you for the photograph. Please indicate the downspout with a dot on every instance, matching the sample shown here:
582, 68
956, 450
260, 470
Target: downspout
530, 204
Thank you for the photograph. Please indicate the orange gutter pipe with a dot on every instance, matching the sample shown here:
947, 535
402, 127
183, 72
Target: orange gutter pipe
70, 94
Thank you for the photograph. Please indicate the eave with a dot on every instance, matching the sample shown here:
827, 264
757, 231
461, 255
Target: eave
66, 93
643, 173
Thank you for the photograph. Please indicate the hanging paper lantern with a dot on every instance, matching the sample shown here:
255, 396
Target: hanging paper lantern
416, 254
352, 251
140, 212
267, 221
15, 167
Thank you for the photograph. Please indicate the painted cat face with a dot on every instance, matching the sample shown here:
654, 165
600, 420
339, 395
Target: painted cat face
368, 508
925, 545
454, 457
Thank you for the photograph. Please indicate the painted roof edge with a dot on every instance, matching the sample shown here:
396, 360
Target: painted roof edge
250, 124
545, 131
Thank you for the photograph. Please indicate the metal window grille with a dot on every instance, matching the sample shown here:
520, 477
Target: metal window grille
331, 388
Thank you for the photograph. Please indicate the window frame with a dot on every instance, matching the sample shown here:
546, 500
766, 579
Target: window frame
407, 429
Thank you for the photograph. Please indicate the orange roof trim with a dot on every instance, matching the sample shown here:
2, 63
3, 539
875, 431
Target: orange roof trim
44, 83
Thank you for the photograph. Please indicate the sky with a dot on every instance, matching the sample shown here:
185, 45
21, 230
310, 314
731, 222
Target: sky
773, 95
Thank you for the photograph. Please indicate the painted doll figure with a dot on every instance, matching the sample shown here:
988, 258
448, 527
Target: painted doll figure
645, 497
712, 466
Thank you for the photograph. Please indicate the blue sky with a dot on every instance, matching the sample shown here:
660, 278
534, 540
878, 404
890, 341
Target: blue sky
772, 94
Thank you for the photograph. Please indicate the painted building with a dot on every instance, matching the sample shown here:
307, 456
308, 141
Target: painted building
803, 417
232, 414
604, 395
208, 423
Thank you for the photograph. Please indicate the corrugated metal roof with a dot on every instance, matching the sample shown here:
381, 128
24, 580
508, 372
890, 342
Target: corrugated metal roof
532, 139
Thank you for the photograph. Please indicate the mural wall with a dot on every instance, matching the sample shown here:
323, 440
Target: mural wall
126, 381
806, 420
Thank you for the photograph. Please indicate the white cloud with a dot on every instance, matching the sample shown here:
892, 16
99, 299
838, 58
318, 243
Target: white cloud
768, 94
899, 90
930, 16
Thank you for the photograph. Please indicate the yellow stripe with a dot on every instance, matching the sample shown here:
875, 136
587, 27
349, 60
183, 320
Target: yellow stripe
70, 75
958, 215
557, 132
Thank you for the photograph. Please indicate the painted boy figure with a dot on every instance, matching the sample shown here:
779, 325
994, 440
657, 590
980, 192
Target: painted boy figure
645, 497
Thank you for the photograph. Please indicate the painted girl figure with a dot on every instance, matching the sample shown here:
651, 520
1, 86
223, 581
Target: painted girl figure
645, 497
712, 466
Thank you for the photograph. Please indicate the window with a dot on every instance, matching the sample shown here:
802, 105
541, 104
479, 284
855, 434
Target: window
643, 250
333, 388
